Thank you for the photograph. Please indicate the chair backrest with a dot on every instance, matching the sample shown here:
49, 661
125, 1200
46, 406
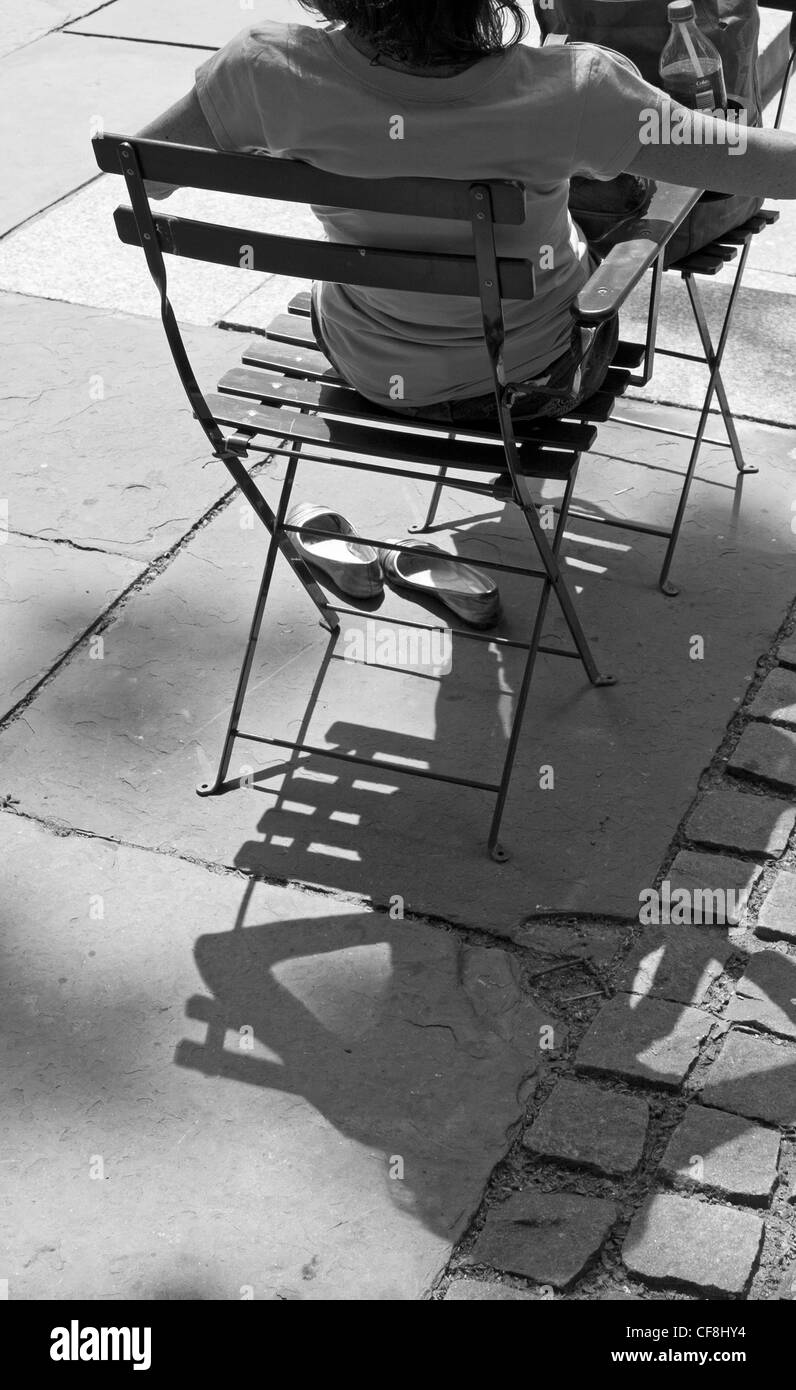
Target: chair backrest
484, 205
484, 275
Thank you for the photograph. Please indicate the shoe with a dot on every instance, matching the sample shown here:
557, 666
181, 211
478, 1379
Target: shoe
353, 567
472, 595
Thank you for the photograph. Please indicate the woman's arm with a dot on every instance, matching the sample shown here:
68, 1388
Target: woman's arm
183, 124
724, 157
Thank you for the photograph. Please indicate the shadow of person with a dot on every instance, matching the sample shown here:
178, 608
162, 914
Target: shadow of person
407, 1042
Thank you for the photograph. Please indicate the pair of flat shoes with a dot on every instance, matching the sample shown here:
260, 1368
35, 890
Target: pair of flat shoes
360, 570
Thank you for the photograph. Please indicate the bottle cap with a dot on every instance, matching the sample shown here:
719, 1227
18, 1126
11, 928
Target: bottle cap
680, 10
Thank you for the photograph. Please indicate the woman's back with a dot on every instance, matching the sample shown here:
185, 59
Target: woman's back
534, 115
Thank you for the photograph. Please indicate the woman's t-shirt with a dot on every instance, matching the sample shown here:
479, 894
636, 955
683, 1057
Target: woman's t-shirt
537, 115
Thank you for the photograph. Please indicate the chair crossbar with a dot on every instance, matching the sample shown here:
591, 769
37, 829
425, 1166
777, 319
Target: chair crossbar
468, 633
418, 550
375, 764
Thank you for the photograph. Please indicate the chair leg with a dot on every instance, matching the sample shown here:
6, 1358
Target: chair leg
711, 359
272, 525
714, 360
549, 559
417, 527
330, 619
563, 513
496, 849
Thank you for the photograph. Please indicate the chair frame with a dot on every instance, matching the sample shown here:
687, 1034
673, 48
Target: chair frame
547, 449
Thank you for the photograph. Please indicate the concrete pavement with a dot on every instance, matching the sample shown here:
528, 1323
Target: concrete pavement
305, 1045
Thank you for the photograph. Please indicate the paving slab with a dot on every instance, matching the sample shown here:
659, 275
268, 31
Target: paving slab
675, 963
717, 888
786, 652
73, 253
106, 452
757, 365
723, 1154
768, 753
79, 83
472, 1290
623, 777
49, 595
643, 1039
684, 1242
23, 21
732, 819
776, 698
546, 1236
209, 1087
755, 1077
199, 23
777, 917
592, 1128
765, 996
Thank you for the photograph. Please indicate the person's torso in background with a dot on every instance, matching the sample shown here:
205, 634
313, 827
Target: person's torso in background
511, 115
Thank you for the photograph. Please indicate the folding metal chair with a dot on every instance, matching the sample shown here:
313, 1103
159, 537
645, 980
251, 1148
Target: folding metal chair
287, 398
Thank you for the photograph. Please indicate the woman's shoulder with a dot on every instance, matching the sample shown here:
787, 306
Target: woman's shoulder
275, 43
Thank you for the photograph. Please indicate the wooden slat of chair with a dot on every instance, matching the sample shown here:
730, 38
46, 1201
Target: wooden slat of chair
628, 354
375, 267
406, 445
293, 181
270, 388
300, 303
282, 357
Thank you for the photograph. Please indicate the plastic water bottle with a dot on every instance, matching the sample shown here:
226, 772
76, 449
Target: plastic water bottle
690, 68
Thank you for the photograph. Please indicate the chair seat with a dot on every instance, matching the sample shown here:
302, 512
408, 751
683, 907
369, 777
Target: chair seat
288, 390
709, 259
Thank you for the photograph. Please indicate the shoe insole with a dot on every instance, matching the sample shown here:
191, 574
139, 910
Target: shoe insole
442, 574
339, 546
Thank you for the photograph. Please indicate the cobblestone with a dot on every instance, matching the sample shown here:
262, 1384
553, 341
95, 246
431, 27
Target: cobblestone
676, 963
680, 1240
776, 698
469, 1290
777, 917
704, 876
722, 1153
755, 1077
766, 995
546, 1236
732, 819
581, 1123
769, 752
650, 1040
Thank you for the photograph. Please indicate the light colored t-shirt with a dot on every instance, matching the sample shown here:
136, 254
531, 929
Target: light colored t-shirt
537, 115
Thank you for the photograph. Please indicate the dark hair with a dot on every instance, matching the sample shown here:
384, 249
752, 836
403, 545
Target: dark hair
427, 31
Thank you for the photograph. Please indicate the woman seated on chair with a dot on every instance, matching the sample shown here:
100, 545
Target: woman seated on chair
401, 88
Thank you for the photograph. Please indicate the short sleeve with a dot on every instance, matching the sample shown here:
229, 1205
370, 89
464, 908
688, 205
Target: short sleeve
225, 88
615, 98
